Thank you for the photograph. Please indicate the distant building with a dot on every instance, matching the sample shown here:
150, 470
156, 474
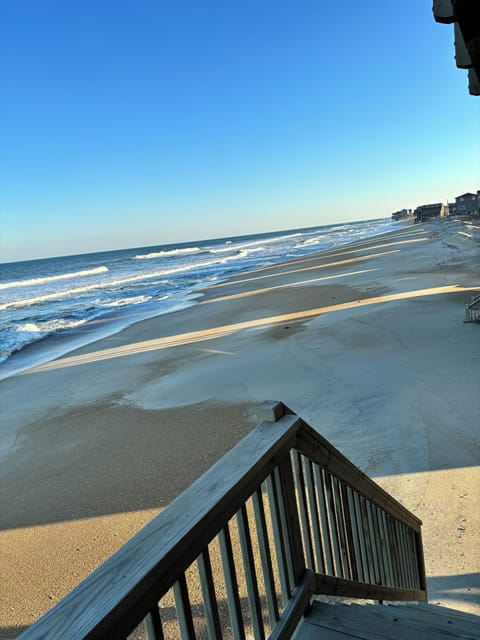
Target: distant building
452, 208
467, 203
402, 214
429, 211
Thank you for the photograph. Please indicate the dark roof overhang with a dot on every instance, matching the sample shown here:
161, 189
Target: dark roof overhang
465, 14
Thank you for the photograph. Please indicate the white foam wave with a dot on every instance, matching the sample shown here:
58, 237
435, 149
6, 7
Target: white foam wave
122, 302
310, 242
63, 276
236, 247
26, 302
166, 254
49, 326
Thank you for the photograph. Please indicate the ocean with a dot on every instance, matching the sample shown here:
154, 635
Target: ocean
51, 306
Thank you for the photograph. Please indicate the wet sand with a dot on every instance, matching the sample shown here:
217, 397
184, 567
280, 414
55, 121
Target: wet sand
366, 342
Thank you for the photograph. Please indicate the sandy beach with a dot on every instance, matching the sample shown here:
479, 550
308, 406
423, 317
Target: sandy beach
366, 342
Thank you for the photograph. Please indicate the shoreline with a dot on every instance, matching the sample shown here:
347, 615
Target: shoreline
366, 342
58, 344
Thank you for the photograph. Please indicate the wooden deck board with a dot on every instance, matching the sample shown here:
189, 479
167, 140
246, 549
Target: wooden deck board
374, 622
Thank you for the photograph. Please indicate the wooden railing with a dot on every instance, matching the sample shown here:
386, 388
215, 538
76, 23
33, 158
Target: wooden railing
281, 517
472, 310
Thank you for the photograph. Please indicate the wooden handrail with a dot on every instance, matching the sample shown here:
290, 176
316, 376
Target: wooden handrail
321, 525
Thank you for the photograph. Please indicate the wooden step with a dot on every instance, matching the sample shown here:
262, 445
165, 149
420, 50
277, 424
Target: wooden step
376, 622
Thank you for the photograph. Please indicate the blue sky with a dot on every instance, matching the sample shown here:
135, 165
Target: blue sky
139, 123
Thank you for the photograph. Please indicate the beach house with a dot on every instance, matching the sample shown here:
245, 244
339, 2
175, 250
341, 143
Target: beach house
428, 211
403, 214
467, 203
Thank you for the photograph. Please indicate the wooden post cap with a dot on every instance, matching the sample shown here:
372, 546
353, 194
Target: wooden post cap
270, 411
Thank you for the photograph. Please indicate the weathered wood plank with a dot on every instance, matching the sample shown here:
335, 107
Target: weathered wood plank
373, 622
367, 569
373, 542
278, 538
153, 625
349, 534
332, 523
333, 586
303, 508
209, 597
250, 573
360, 575
231, 584
322, 509
184, 611
388, 557
315, 517
340, 519
291, 522
265, 556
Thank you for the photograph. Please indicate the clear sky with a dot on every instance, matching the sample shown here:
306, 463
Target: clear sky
139, 123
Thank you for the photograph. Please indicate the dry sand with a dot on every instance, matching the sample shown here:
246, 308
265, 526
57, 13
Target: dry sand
365, 342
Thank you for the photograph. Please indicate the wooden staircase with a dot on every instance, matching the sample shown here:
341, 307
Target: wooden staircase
259, 547
326, 621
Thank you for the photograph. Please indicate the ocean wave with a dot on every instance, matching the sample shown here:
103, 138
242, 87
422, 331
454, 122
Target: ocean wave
63, 276
122, 302
49, 326
245, 245
58, 295
310, 242
167, 254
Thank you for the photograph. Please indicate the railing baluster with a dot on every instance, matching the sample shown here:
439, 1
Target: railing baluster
416, 575
265, 556
291, 522
355, 533
411, 556
333, 524
394, 550
209, 596
184, 611
377, 542
340, 520
401, 554
322, 507
349, 534
250, 574
278, 538
368, 540
362, 538
372, 539
381, 544
403, 532
153, 625
231, 583
303, 508
315, 518
390, 571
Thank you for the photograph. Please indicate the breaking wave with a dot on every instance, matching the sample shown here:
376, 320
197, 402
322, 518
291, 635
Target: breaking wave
167, 254
49, 326
63, 276
58, 295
